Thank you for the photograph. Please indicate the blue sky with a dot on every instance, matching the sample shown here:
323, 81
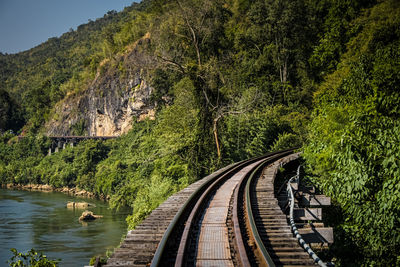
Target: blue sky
27, 23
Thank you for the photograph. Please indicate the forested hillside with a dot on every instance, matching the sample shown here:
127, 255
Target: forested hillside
230, 79
38, 78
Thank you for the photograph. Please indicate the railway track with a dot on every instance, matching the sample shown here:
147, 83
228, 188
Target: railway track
271, 222
229, 218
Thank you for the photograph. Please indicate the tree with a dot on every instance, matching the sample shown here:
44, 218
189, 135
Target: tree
286, 31
191, 39
9, 113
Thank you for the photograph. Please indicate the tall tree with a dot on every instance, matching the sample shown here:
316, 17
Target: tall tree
190, 40
286, 33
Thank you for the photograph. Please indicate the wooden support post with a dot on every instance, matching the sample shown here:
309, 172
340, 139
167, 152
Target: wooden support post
315, 200
306, 189
307, 214
317, 235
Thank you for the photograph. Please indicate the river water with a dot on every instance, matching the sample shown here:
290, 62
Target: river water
41, 220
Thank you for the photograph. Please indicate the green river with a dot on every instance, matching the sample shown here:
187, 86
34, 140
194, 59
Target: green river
41, 220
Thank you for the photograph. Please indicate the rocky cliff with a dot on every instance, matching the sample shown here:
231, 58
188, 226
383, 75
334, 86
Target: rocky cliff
118, 96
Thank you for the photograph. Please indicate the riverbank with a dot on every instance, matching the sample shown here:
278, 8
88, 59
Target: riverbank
72, 191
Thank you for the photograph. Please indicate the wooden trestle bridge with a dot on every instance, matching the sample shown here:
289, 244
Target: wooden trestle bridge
61, 142
237, 216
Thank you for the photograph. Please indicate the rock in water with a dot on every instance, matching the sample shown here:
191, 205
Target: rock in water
79, 205
88, 216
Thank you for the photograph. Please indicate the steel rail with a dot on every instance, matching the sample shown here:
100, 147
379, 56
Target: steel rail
306, 247
219, 176
177, 218
260, 250
183, 246
239, 242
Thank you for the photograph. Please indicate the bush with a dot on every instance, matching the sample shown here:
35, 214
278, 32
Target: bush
286, 141
31, 259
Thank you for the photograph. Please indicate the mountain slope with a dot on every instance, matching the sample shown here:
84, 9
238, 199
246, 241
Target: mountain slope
117, 97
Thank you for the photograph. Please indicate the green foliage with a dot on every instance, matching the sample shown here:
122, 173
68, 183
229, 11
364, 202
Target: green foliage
163, 155
10, 117
286, 141
272, 41
31, 259
258, 132
73, 166
101, 260
79, 128
206, 73
354, 137
337, 30
18, 157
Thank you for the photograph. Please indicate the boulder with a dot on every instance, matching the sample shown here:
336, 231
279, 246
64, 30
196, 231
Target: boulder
79, 205
81, 193
88, 216
45, 187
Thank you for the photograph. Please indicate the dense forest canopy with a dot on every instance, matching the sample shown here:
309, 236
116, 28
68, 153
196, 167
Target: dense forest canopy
241, 77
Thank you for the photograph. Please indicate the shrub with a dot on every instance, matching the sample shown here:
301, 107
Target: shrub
31, 259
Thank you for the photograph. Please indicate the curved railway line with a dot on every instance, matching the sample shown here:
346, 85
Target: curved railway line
229, 218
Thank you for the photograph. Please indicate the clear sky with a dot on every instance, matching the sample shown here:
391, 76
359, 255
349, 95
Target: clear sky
27, 23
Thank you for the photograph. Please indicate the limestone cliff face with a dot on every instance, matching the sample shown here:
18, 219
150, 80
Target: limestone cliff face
111, 103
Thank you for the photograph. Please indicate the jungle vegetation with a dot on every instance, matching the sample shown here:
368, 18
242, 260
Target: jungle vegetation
246, 77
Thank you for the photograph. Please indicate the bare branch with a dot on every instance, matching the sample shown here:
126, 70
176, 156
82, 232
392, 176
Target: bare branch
225, 110
208, 100
171, 62
194, 36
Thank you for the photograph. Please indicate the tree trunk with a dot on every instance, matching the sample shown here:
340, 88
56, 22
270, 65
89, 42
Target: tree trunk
215, 130
285, 70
